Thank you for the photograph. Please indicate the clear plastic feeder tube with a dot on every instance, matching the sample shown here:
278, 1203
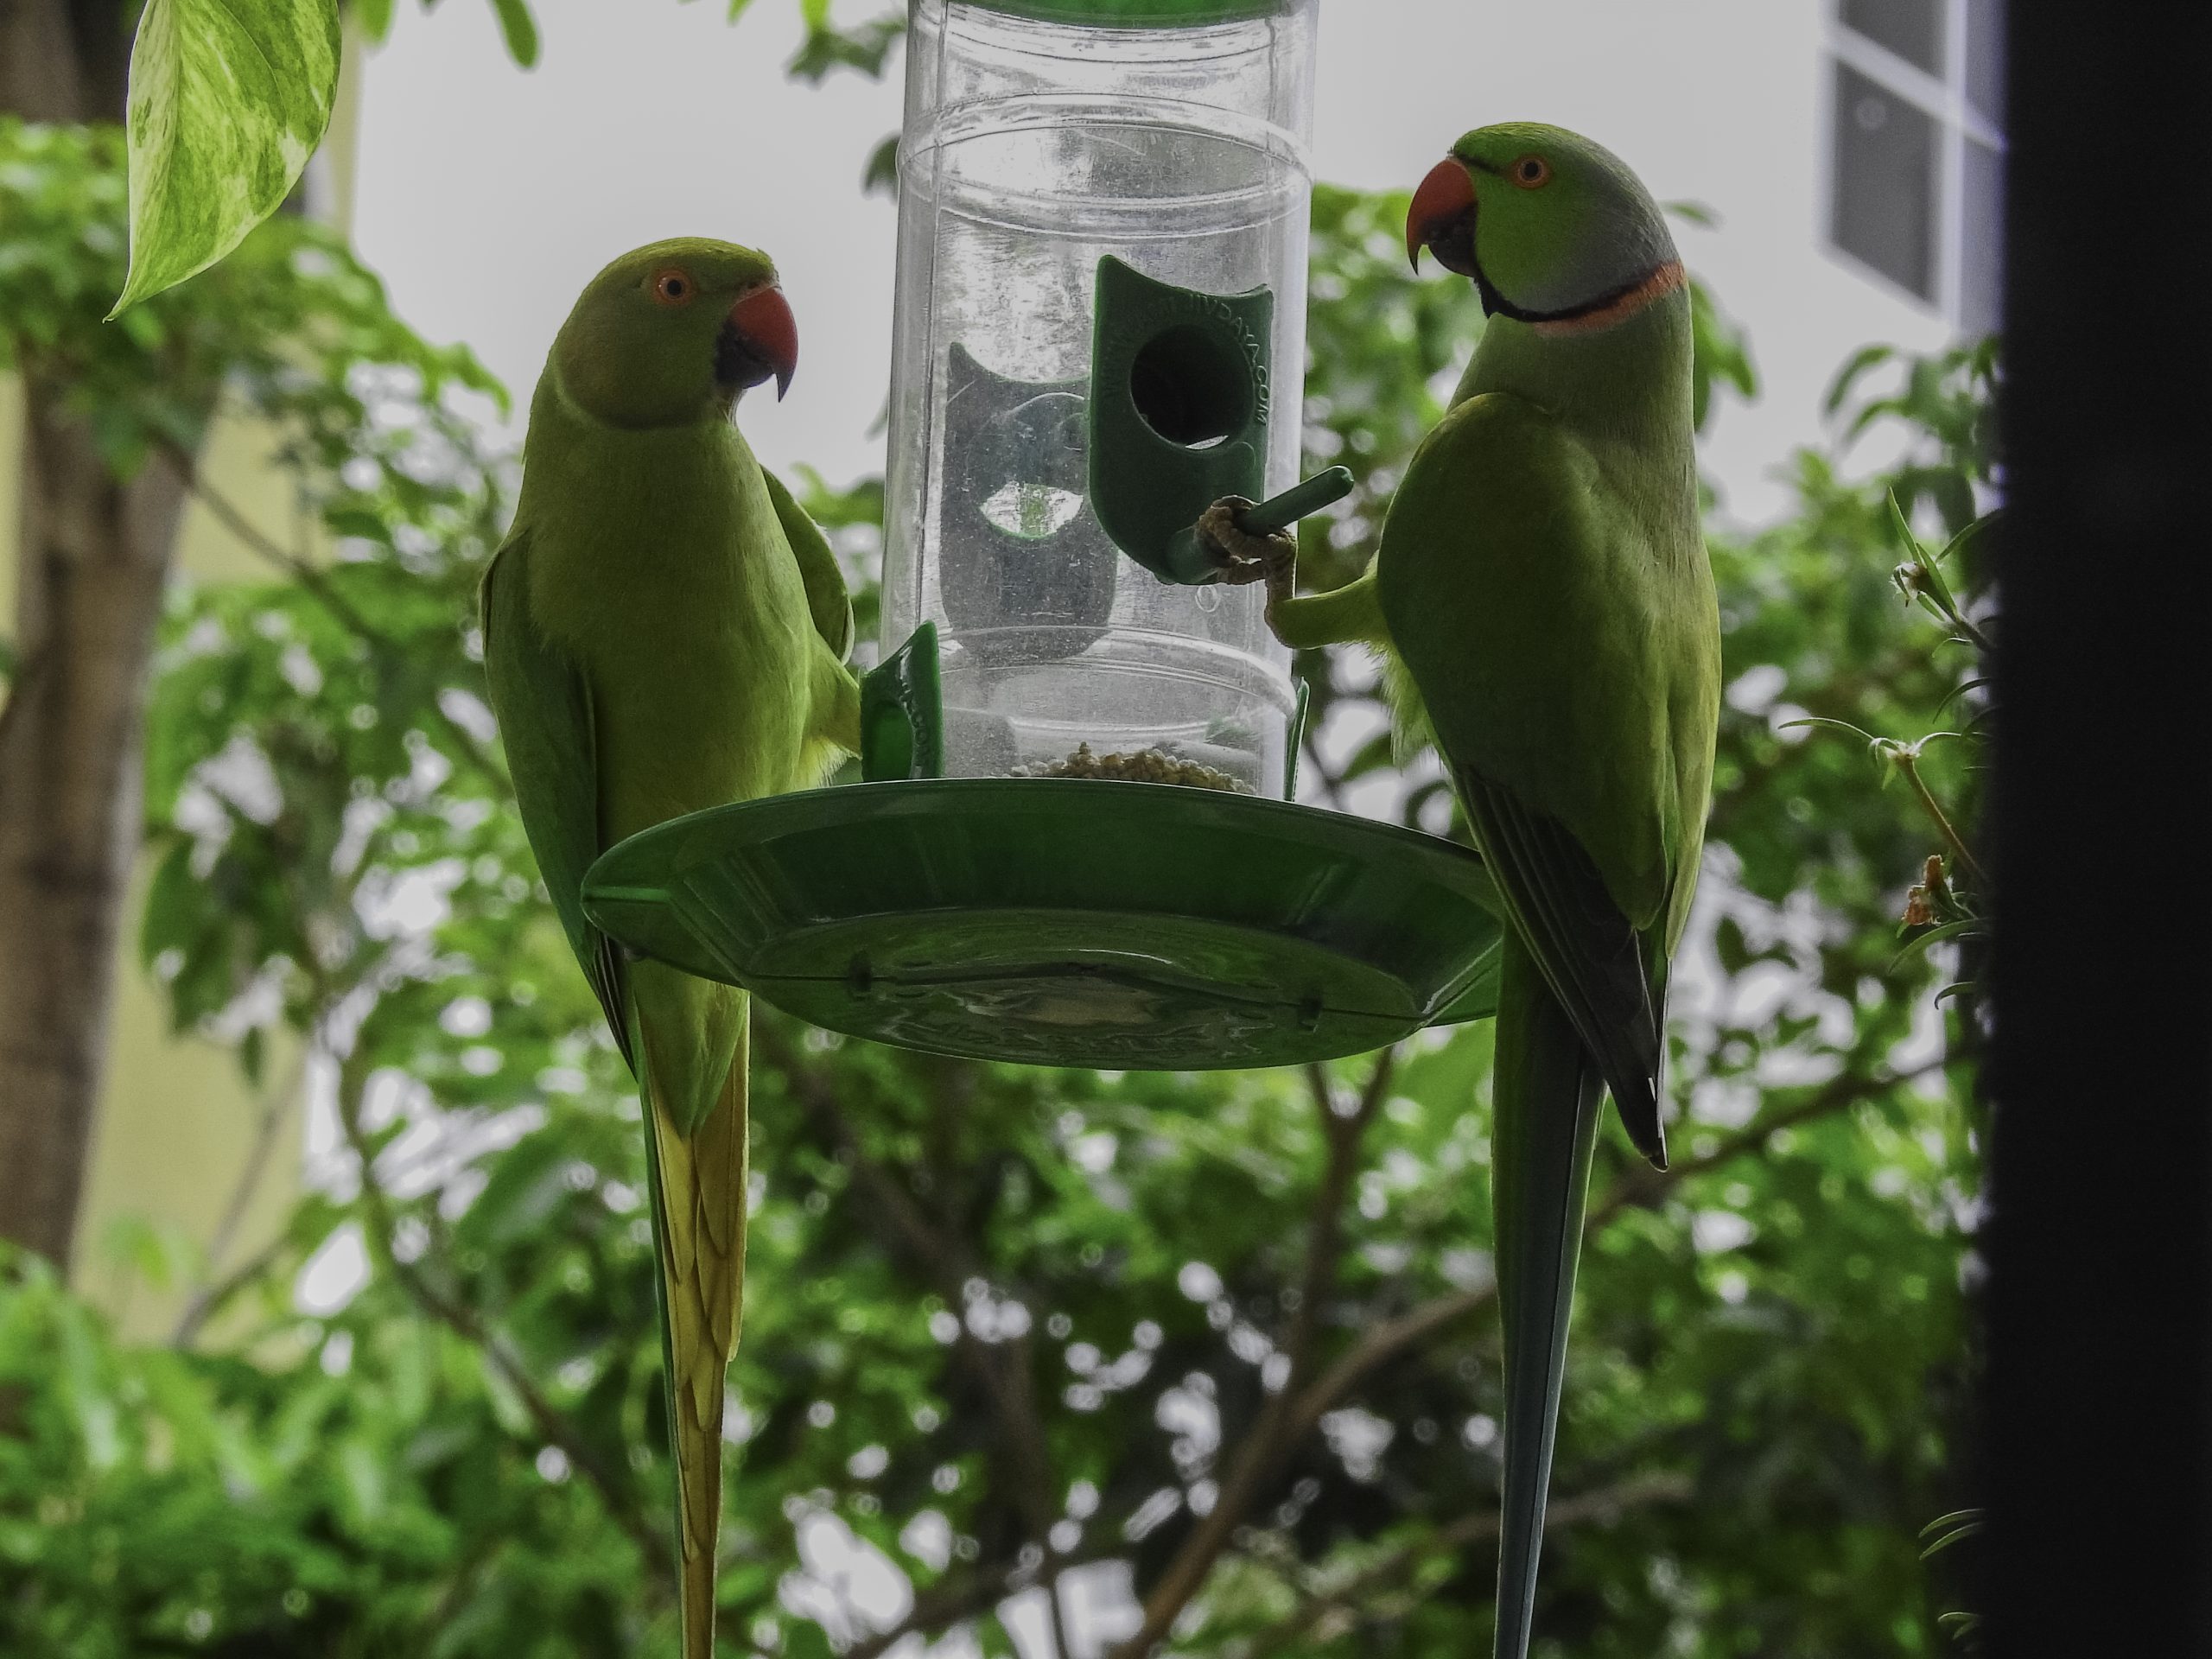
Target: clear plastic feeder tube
1042, 138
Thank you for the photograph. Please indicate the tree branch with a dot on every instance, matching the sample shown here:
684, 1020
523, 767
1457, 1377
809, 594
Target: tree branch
213, 1299
274, 1104
458, 1317
317, 583
1260, 1455
1337, 1607
1003, 1368
1644, 1185
1289, 1421
969, 1595
1934, 808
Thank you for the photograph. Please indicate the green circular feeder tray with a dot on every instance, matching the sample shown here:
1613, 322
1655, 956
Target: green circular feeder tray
1066, 922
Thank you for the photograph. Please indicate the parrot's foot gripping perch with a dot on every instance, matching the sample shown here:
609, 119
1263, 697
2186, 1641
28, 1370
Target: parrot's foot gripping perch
1250, 541
1244, 558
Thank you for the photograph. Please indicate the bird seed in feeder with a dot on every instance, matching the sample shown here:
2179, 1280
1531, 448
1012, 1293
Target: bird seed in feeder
1141, 767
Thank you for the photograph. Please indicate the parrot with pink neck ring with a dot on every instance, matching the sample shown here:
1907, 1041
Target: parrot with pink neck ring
1544, 601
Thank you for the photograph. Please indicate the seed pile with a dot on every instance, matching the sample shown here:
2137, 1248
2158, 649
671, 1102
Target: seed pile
1143, 766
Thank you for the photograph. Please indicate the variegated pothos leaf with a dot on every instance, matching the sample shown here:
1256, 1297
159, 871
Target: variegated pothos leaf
228, 99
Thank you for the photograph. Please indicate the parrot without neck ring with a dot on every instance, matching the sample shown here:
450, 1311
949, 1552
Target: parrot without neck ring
665, 631
1544, 600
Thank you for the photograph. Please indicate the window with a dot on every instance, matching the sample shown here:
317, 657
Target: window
1917, 152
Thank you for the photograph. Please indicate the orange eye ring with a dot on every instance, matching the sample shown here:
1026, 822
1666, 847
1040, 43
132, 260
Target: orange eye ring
1531, 172
674, 287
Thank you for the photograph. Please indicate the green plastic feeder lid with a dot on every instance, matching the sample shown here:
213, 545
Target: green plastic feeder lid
1066, 922
1133, 14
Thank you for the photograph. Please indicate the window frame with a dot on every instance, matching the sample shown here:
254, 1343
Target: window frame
1945, 100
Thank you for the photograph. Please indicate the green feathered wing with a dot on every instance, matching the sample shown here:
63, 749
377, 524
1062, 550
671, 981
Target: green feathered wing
827, 602
545, 705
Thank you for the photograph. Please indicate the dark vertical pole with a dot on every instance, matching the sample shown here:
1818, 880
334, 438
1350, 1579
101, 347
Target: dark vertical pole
2100, 1242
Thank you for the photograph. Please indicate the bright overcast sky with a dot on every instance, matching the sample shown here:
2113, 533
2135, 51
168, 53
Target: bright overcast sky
487, 196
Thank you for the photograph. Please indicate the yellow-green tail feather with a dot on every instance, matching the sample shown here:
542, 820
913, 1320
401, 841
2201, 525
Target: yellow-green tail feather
1548, 1095
698, 1206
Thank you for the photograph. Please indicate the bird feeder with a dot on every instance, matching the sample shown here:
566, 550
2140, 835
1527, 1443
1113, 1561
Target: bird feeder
1074, 843
1102, 266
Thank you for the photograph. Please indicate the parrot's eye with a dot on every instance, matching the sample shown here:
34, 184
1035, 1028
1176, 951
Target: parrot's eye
1532, 172
673, 288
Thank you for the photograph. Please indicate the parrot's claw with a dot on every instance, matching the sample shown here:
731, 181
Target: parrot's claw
1244, 558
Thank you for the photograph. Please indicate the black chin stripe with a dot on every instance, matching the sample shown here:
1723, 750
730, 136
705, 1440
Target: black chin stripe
1494, 304
736, 367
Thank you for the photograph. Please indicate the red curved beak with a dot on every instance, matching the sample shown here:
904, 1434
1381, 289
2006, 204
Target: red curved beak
767, 336
1442, 218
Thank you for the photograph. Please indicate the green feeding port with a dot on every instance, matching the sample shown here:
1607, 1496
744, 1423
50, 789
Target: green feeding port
1072, 843
902, 713
1190, 387
1178, 412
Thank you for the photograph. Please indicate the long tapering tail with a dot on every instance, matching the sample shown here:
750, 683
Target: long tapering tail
1547, 1093
698, 1199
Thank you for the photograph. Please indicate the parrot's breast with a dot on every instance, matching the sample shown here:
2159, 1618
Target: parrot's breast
660, 565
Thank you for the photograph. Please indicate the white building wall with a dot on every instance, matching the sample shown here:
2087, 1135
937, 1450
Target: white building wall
488, 196
1720, 102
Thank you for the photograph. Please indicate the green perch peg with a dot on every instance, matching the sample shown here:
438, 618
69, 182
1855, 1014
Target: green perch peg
1302, 499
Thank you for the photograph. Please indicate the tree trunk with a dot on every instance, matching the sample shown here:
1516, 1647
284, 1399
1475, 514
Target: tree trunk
63, 60
93, 554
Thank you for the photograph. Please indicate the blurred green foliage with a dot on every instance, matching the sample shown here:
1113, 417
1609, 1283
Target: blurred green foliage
1224, 1342
825, 44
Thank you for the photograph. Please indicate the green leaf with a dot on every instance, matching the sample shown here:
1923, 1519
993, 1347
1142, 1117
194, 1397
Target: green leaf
1870, 741
881, 175
253, 1054
1906, 539
866, 48
1937, 935
520, 29
1958, 545
1720, 354
374, 17
228, 99
1954, 1518
1950, 1530
1861, 362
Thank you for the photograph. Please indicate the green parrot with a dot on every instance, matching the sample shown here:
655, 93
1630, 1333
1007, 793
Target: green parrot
666, 630
1544, 602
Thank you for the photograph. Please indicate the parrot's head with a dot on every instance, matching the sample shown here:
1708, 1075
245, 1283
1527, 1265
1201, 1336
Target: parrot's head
673, 333
1552, 227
